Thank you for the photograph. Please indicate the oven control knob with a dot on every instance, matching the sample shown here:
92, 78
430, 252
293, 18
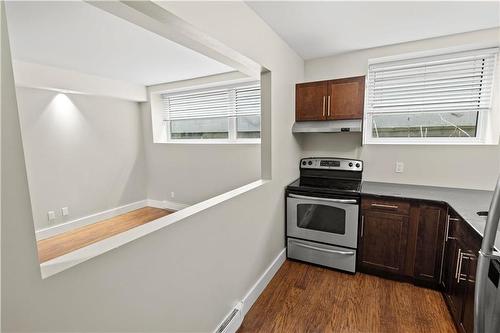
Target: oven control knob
304, 162
350, 164
310, 163
357, 165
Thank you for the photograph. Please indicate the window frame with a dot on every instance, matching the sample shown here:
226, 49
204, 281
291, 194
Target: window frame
482, 130
232, 118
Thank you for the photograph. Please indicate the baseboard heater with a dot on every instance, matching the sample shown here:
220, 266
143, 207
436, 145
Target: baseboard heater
232, 321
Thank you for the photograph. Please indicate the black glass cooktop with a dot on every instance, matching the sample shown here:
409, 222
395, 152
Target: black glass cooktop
326, 185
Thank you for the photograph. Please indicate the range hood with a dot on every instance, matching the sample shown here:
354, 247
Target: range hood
329, 126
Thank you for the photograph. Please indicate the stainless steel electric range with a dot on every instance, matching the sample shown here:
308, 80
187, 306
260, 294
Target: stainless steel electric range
322, 212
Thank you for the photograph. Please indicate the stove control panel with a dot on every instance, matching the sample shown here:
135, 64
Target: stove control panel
328, 163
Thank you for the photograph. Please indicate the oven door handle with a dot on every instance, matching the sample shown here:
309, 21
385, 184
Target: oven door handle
345, 201
346, 253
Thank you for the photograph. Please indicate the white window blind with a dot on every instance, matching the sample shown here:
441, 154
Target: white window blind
225, 102
247, 101
224, 113
459, 82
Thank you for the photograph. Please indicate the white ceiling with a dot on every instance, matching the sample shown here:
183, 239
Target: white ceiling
319, 29
78, 36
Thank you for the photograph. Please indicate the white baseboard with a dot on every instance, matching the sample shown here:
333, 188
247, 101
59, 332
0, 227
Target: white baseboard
86, 220
166, 204
263, 281
254, 293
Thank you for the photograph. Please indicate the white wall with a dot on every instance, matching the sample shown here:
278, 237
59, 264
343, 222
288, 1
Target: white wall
82, 152
184, 278
474, 167
195, 172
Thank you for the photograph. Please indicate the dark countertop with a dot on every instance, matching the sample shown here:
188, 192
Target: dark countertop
465, 202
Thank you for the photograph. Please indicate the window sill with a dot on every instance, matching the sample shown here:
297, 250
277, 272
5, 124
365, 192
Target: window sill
431, 143
210, 142
76, 257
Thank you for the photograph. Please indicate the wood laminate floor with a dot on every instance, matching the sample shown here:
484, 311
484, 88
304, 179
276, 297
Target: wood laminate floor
64, 243
306, 298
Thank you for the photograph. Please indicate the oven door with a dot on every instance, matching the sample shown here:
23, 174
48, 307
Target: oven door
327, 220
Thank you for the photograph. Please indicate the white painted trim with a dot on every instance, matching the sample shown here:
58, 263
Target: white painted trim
211, 142
254, 293
89, 219
263, 281
76, 257
201, 83
436, 52
165, 204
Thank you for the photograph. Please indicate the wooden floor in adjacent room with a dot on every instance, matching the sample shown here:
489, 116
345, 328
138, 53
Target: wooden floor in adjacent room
306, 298
69, 241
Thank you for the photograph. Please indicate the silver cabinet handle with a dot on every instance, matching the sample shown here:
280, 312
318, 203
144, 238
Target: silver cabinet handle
459, 257
329, 106
346, 253
464, 277
347, 201
362, 226
384, 206
324, 100
448, 228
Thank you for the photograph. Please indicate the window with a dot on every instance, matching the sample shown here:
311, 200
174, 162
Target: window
434, 99
215, 115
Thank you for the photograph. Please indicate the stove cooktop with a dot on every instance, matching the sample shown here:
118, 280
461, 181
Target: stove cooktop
329, 175
337, 186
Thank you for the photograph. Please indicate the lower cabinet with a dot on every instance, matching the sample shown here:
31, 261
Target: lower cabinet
425, 243
429, 243
402, 239
383, 245
459, 272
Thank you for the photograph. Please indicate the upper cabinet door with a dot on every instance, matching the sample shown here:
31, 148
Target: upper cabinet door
310, 101
346, 98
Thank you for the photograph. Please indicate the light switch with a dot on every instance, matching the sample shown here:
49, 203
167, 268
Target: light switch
51, 215
400, 167
65, 211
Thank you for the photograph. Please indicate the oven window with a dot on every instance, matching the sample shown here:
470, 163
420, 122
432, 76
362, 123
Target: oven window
321, 218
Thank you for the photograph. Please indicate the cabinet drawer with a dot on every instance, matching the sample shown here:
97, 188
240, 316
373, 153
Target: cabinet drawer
386, 205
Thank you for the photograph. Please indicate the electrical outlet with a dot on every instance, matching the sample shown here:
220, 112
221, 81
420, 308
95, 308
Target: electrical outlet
65, 211
172, 195
51, 215
400, 167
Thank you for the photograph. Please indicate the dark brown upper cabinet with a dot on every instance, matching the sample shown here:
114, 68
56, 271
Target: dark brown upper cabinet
310, 101
330, 100
346, 98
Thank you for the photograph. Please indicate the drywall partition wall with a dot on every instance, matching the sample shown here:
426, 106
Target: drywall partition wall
474, 167
186, 277
196, 172
83, 152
